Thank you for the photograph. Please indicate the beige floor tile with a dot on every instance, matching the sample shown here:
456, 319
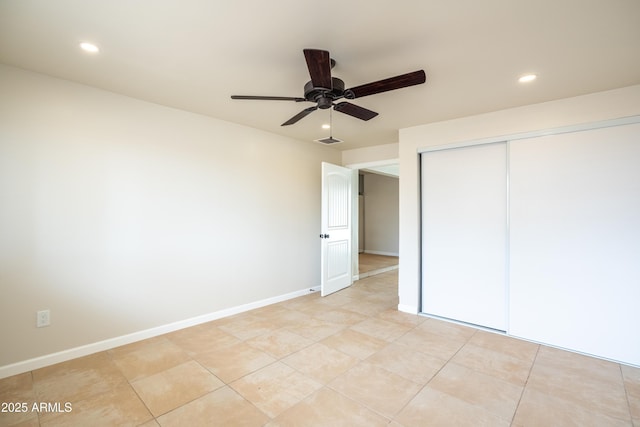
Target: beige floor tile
381, 281
540, 409
341, 316
336, 300
393, 315
494, 363
355, 343
384, 277
385, 282
410, 364
369, 262
234, 361
279, 343
376, 388
16, 384
447, 329
592, 383
137, 345
201, 338
434, 408
17, 392
31, 422
246, 325
297, 303
152, 423
312, 307
271, 312
275, 388
380, 291
371, 308
520, 349
148, 358
120, 406
355, 292
631, 377
320, 362
381, 328
433, 344
579, 364
315, 329
77, 379
328, 408
280, 315
176, 386
222, 407
492, 394
21, 416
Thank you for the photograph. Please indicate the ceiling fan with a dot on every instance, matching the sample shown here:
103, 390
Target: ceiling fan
324, 90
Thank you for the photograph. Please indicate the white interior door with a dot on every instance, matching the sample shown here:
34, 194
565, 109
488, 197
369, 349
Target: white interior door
335, 231
464, 225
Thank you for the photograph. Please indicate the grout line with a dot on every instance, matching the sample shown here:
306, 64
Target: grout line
626, 394
446, 362
35, 396
524, 387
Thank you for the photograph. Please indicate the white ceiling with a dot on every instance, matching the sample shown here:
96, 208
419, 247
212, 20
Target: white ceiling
194, 54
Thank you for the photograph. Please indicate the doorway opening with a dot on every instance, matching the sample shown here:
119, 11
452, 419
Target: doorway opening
371, 264
378, 219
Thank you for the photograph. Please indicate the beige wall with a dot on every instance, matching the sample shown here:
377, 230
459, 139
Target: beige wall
120, 215
370, 156
492, 126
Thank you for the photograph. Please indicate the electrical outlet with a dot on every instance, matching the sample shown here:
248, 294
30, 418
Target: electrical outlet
43, 318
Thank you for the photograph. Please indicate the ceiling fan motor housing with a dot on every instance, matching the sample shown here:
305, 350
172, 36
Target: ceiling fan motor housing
324, 97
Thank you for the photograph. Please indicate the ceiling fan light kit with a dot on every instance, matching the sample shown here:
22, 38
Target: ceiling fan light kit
324, 90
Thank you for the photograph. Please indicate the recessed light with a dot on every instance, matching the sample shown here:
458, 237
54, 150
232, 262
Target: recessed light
527, 78
89, 47
326, 126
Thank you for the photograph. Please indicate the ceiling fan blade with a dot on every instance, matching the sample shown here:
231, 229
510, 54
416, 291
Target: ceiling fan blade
300, 115
355, 111
392, 83
319, 65
268, 98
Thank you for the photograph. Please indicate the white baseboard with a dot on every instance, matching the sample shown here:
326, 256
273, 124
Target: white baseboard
366, 251
408, 309
85, 350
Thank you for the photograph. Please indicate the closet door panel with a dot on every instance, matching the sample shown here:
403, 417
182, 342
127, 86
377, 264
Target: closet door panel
464, 234
575, 241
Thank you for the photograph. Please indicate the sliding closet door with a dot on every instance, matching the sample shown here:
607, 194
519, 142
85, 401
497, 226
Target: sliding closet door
464, 220
575, 241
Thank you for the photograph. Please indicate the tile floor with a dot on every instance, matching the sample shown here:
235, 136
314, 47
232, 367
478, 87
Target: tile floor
349, 359
372, 264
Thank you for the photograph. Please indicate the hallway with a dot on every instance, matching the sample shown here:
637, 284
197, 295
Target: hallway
371, 264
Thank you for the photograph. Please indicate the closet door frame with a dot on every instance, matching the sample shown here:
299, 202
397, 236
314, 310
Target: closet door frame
511, 138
